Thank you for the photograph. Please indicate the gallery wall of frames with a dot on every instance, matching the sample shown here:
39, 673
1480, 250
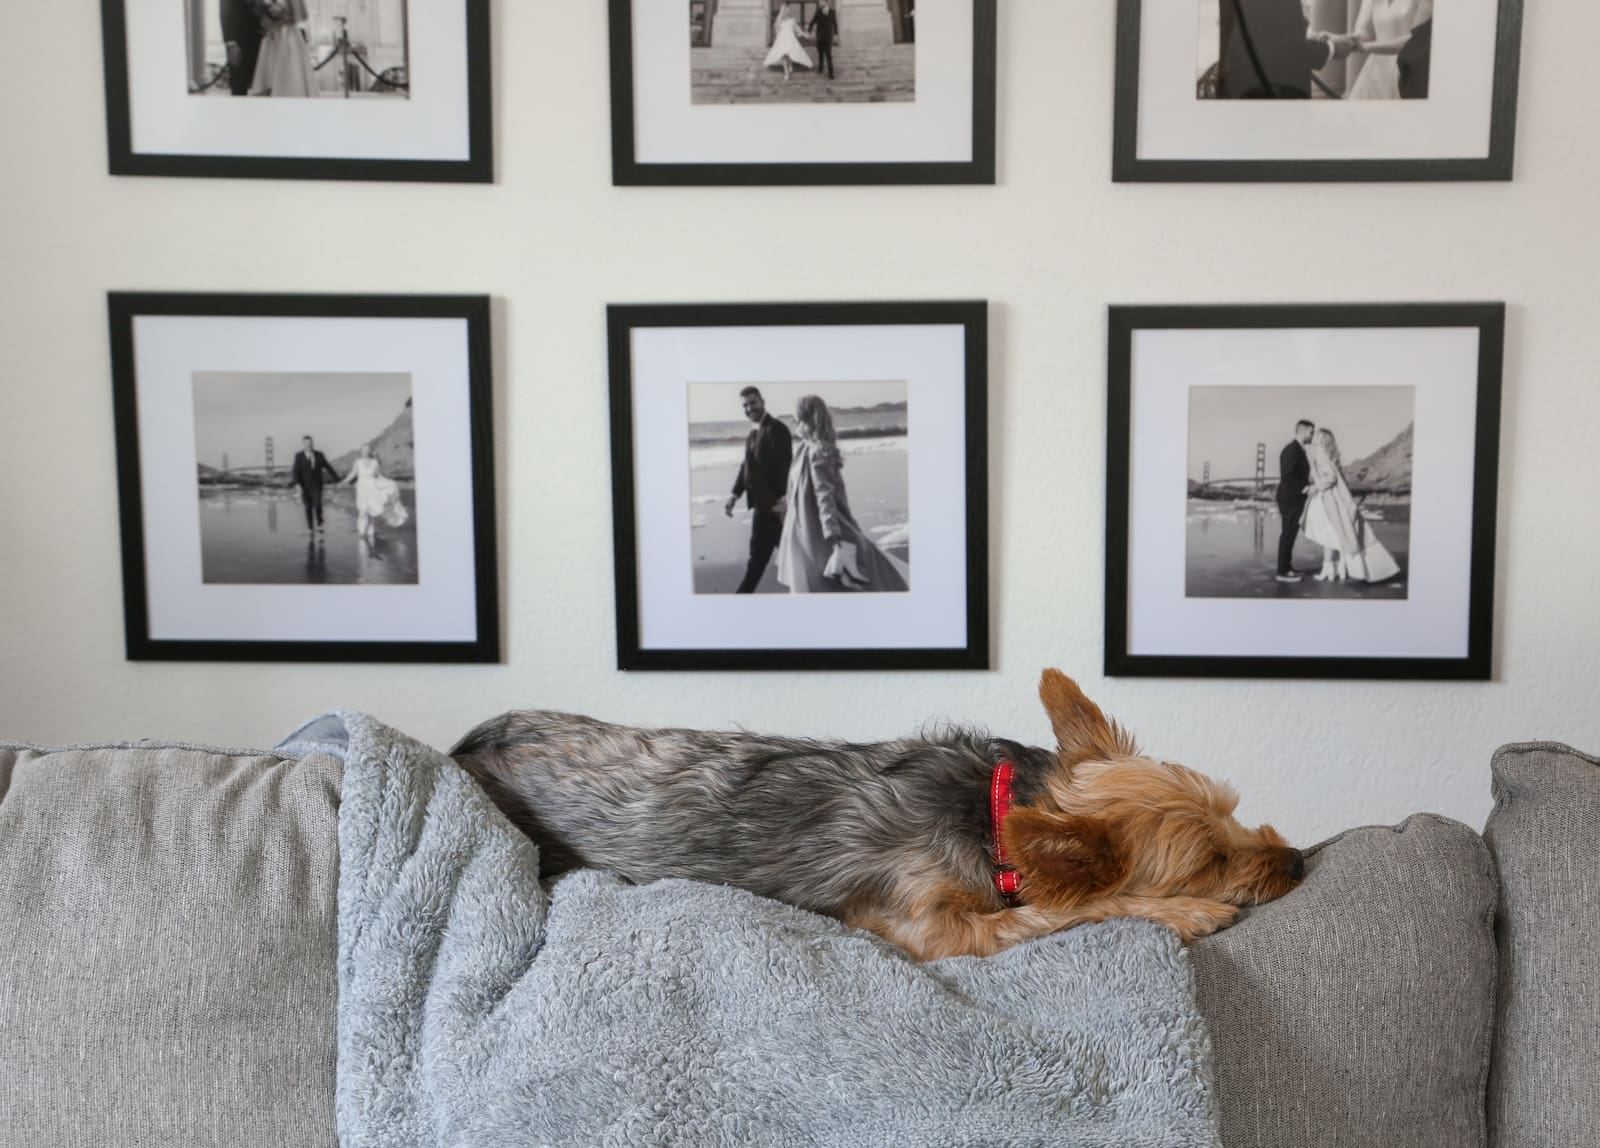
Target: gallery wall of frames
800, 408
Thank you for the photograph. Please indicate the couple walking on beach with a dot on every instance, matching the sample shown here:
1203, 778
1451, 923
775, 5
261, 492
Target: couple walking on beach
377, 495
800, 508
1313, 495
787, 50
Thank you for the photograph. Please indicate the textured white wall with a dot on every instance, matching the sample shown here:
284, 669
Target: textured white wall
1055, 242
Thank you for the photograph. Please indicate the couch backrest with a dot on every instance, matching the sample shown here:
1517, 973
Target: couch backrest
167, 956
1544, 1090
1356, 1012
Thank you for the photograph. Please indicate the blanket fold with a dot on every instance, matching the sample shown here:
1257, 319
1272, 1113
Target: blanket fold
477, 1007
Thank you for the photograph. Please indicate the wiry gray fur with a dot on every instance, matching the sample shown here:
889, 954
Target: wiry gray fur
823, 825
477, 1008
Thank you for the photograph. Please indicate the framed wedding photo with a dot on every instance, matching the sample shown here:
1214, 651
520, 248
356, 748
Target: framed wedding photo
742, 92
305, 477
769, 463
1316, 90
299, 89
1303, 491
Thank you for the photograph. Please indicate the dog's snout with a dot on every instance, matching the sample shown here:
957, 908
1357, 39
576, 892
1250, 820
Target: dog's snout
1294, 864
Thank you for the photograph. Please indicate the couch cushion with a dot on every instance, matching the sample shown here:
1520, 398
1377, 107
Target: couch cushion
167, 960
1356, 1011
1545, 836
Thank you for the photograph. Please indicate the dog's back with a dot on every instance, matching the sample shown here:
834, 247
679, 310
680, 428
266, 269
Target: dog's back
821, 825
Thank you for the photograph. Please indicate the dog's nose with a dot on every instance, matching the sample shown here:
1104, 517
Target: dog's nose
1294, 865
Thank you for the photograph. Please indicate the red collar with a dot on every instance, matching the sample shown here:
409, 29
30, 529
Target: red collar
1006, 879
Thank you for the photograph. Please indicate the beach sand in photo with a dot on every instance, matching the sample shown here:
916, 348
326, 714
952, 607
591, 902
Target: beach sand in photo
875, 475
258, 536
1233, 547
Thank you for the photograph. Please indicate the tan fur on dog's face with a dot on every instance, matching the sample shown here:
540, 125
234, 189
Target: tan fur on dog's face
1114, 823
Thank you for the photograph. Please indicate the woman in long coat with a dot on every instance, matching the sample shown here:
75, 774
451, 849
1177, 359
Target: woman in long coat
823, 548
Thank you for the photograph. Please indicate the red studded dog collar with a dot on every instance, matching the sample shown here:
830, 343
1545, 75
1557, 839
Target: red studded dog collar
1006, 879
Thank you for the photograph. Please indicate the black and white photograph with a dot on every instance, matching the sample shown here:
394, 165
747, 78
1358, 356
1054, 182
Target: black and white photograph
298, 49
807, 92
1302, 490
768, 461
1338, 50
1299, 492
1316, 90
804, 490
803, 51
299, 89
305, 477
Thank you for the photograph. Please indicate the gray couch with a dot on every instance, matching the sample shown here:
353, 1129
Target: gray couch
167, 963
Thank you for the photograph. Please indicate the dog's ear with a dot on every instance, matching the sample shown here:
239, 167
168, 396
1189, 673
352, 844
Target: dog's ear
1082, 731
1061, 857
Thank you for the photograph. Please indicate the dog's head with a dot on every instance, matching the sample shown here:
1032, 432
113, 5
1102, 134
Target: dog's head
1112, 821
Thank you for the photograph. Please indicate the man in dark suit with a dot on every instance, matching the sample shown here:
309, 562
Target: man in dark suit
1294, 476
1415, 62
309, 466
825, 26
241, 32
1268, 51
762, 480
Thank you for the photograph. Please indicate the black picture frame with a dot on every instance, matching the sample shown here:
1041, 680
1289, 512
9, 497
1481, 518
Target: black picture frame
626, 171
972, 316
478, 167
1127, 167
124, 307
1478, 663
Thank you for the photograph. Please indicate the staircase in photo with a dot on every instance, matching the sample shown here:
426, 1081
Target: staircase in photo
879, 73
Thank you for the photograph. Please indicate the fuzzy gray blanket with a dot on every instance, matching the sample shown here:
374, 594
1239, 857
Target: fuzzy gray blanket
478, 1008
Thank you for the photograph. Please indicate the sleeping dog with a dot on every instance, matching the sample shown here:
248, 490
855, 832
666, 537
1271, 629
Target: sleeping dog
947, 844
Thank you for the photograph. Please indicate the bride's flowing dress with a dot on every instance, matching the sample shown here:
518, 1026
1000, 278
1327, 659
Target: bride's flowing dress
819, 510
787, 43
284, 66
1333, 521
378, 496
1380, 75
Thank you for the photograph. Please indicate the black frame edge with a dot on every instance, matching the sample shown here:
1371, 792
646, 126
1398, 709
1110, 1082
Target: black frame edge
123, 307
1127, 167
1477, 664
626, 171
970, 315
478, 167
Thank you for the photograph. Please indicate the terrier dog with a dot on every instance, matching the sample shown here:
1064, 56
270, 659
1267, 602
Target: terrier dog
948, 844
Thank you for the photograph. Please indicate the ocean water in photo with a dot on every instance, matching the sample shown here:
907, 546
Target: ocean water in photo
258, 536
1232, 552
875, 477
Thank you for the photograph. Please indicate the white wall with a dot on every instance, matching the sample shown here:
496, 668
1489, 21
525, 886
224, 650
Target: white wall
553, 241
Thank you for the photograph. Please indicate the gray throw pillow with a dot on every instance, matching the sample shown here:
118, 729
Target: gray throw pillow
1545, 836
168, 948
1356, 1011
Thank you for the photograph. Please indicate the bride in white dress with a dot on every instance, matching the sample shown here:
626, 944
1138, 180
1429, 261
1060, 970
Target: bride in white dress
377, 496
1383, 28
284, 67
1333, 521
786, 46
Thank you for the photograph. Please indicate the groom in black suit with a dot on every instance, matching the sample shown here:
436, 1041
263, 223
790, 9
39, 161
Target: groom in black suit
1294, 475
762, 479
825, 26
1268, 51
309, 467
241, 32
1415, 62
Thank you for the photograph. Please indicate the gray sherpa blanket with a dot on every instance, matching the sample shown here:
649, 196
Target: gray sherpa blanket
477, 1008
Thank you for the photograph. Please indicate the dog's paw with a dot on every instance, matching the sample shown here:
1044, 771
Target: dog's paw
1197, 918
